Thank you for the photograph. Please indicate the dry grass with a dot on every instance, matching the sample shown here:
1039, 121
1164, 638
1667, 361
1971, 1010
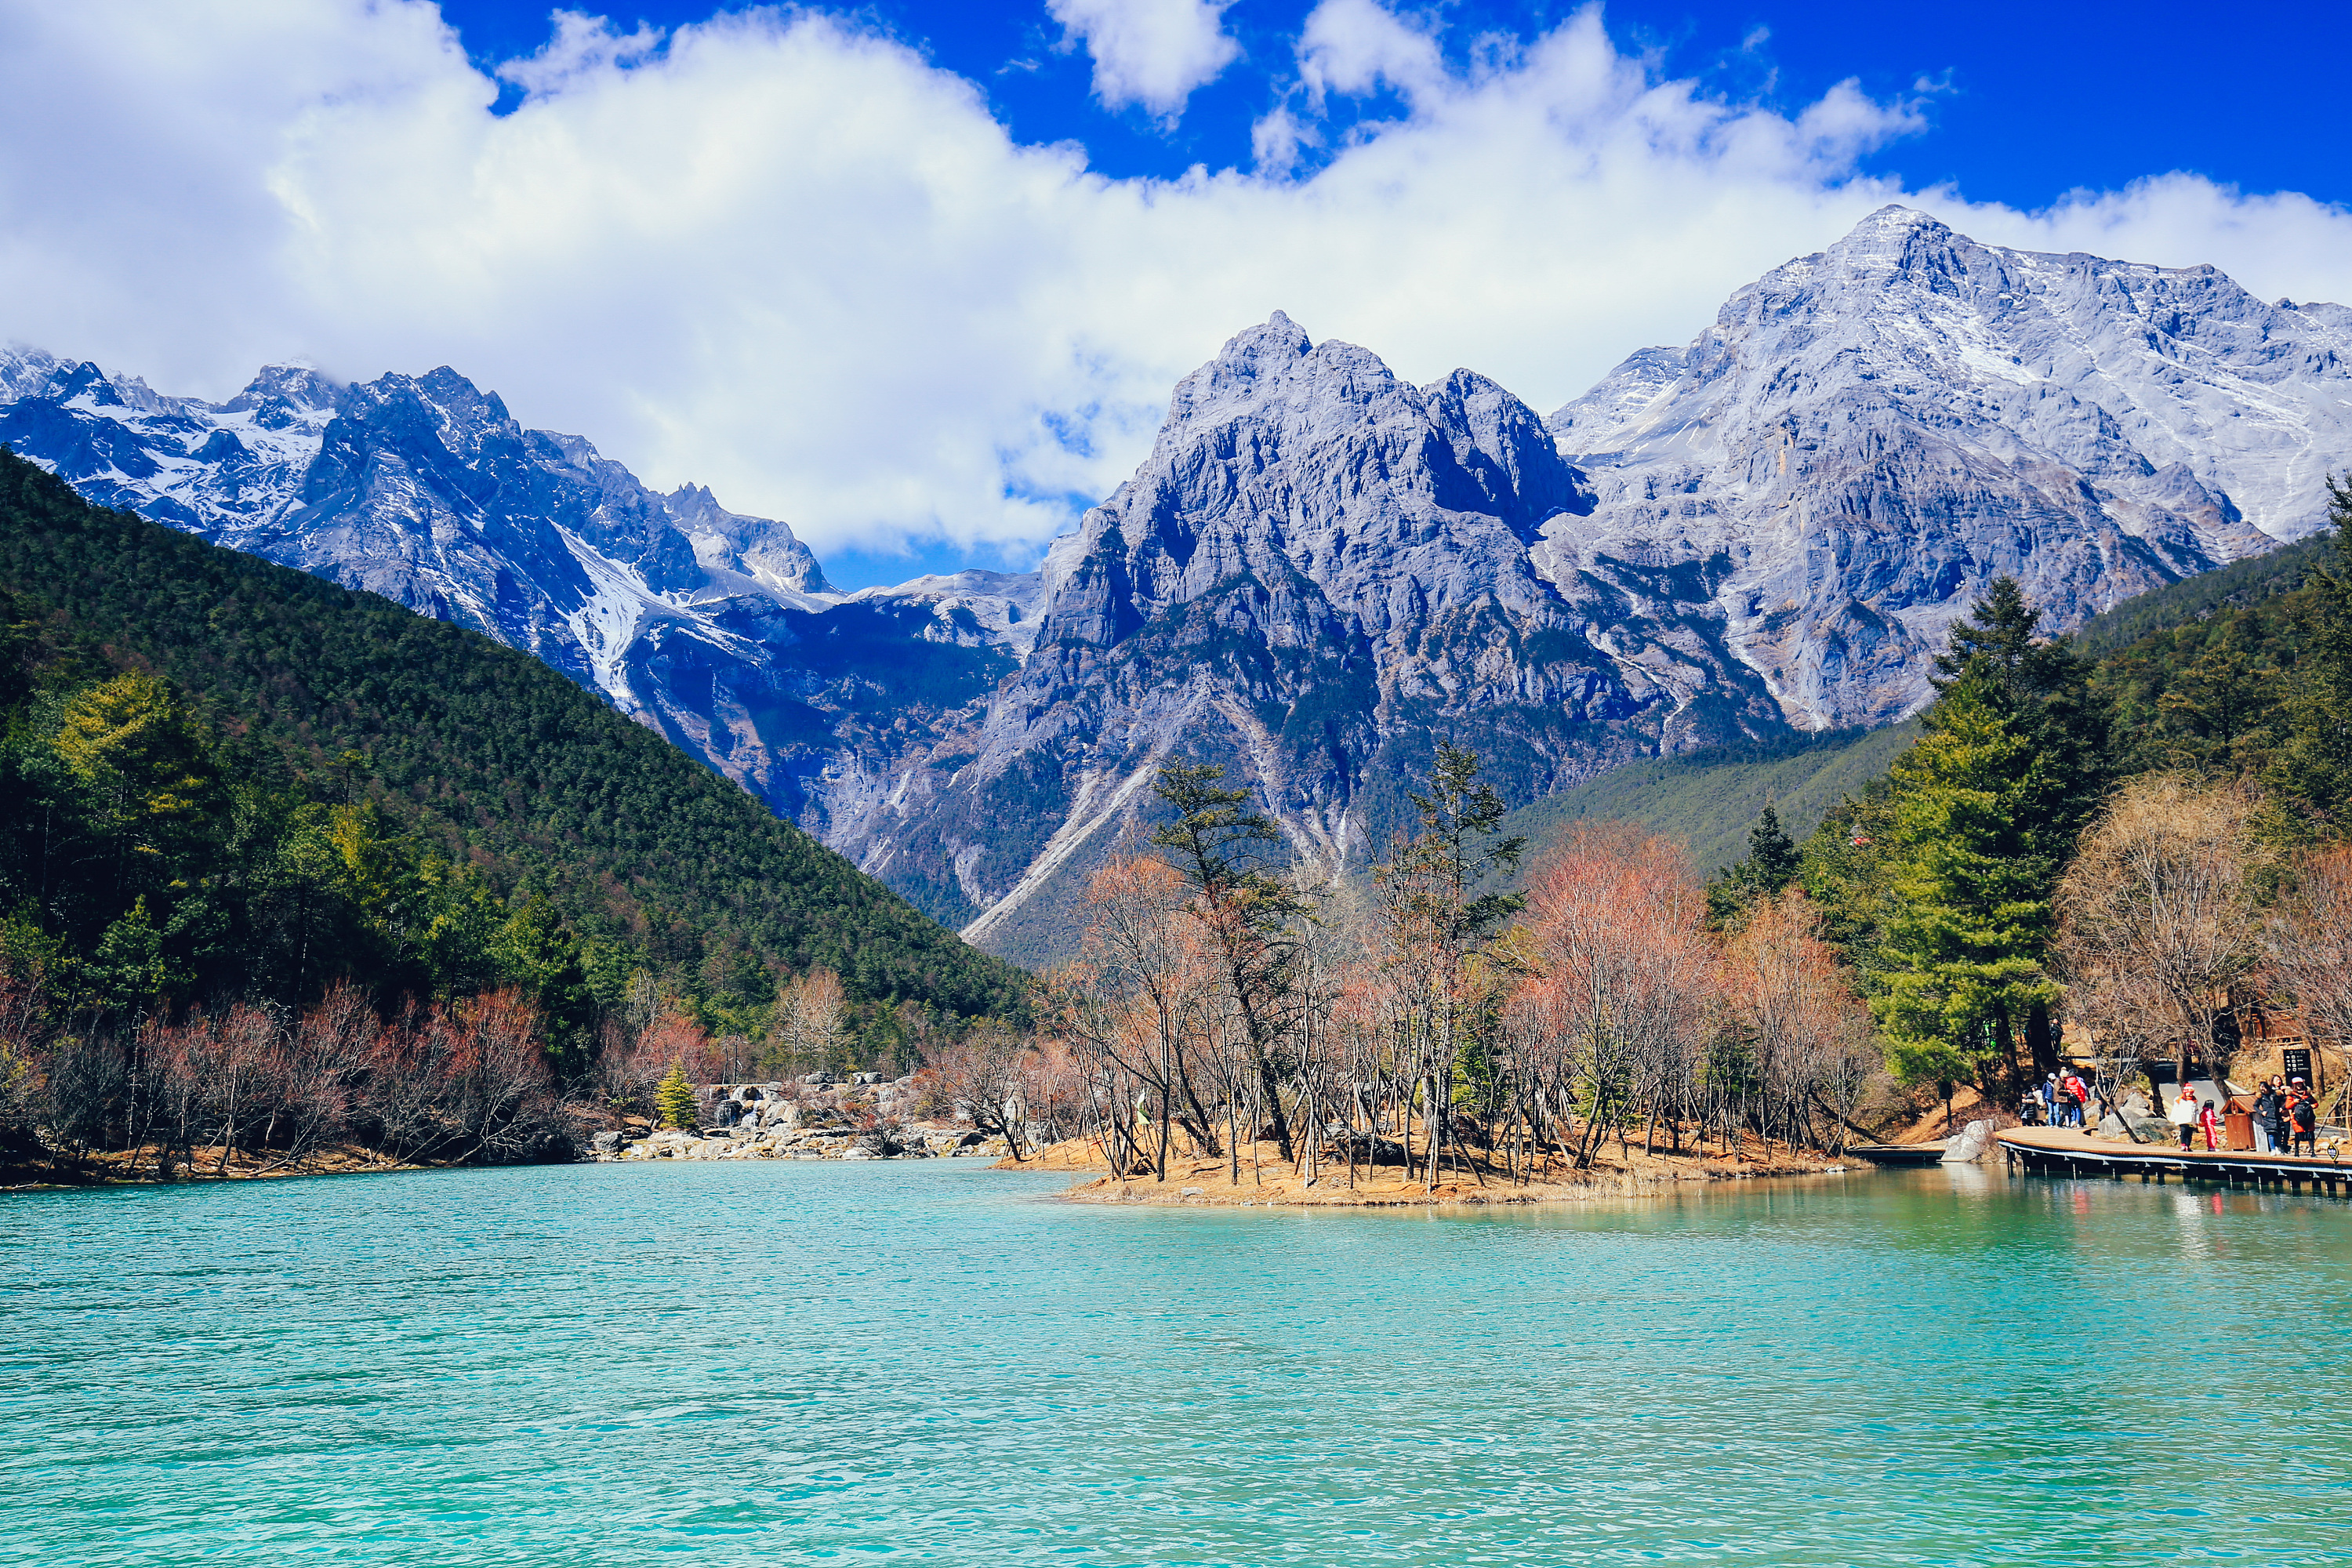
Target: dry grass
1266, 1179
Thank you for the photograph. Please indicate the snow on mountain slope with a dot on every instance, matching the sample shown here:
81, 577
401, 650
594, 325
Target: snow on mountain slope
1869, 434
716, 628
1321, 569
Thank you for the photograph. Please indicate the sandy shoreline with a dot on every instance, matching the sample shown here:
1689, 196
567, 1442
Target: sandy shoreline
1270, 1182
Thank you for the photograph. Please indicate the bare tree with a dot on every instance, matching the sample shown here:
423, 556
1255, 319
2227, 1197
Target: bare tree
1617, 928
629, 1065
1811, 1029
1140, 1004
2161, 905
986, 1077
2310, 942
805, 1028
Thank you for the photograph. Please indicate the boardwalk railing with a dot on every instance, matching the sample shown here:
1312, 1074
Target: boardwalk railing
2048, 1153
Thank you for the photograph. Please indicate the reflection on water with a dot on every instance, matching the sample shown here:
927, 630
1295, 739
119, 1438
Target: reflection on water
844, 1364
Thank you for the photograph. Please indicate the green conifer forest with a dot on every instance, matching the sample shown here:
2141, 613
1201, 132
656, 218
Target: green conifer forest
227, 780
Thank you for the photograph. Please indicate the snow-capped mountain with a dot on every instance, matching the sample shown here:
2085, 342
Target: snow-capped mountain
1321, 569
719, 629
1866, 435
422, 489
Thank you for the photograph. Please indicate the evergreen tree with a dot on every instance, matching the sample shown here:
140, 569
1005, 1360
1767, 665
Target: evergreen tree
1431, 906
1225, 852
675, 1104
1941, 888
1772, 852
2315, 764
535, 950
1773, 861
1981, 837
2049, 701
1462, 844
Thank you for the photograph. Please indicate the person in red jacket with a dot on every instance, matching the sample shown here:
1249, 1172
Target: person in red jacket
2210, 1123
2080, 1093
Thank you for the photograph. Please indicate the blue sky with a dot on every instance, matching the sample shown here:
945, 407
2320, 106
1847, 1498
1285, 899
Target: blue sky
918, 278
2026, 101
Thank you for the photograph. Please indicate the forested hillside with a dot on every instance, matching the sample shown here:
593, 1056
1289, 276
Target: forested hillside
477, 804
2140, 844
2186, 668
1706, 800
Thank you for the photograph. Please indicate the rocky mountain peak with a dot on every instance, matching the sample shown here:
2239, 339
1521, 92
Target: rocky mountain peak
284, 395
1868, 435
1282, 457
1320, 568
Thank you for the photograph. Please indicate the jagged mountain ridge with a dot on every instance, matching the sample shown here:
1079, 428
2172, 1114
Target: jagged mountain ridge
1870, 433
717, 629
1319, 571
1321, 568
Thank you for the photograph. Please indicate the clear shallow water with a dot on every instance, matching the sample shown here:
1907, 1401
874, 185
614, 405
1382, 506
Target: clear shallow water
845, 1364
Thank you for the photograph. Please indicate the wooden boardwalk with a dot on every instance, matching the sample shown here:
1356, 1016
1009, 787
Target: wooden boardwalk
2056, 1152
1898, 1153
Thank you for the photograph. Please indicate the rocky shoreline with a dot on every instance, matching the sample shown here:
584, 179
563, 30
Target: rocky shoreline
820, 1116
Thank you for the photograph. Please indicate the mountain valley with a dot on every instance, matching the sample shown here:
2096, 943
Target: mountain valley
1320, 569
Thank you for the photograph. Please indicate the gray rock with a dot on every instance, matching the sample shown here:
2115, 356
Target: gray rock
1769, 528
1973, 1143
1867, 435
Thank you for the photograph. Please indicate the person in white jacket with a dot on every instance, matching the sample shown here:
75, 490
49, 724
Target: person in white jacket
2184, 1114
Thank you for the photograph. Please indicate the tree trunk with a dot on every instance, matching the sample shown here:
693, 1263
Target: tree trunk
2040, 1044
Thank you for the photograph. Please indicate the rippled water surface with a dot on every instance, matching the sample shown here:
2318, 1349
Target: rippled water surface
846, 1364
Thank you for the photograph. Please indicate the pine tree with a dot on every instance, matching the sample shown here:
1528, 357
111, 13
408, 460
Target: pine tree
1223, 851
1772, 852
2315, 766
1982, 832
2048, 701
1773, 861
1941, 888
1428, 893
675, 1102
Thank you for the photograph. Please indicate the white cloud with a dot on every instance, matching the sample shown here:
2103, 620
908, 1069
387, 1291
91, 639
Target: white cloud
1149, 52
583, 45
786, 256
1354, 47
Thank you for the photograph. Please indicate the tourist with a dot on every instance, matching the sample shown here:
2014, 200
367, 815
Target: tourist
2208, 1121
2184, 1115
2268, 1123
2049, 1100
2078, 1095
2303, 1121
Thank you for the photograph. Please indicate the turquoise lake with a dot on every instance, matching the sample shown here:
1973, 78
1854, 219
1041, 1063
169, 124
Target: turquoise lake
934, 1362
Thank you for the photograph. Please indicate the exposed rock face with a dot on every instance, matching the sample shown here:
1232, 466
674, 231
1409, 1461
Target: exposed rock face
1867, 435
1320, 571
717, 629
